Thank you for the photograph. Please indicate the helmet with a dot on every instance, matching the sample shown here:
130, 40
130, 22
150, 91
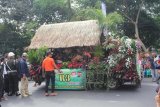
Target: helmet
11, 54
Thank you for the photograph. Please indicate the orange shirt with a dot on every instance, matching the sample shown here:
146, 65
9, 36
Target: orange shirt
48, 64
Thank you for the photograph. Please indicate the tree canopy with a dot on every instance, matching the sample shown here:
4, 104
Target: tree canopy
19, 19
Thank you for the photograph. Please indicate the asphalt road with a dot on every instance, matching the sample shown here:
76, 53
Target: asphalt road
124, 97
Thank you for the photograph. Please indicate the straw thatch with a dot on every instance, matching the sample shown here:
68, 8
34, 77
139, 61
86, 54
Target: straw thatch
70, 34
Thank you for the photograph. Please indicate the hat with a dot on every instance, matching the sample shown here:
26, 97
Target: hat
10, 54
24, 54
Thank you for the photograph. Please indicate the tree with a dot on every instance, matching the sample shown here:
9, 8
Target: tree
10, 39
136, 13
14, 16
131, 11
111, 21
17, 10
51, 11
148, 29
20, 18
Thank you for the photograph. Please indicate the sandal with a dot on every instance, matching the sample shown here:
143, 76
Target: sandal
53, 94
46, 94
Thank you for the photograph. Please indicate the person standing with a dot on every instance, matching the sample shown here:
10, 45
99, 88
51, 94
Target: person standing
157, 97
2, 75
150, 58
1, 82
157, 65
11, 67
24, 74
49, 66
5, 74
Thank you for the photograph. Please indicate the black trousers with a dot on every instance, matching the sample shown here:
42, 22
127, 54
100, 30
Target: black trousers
6, 83
50, 75
1, 87
13, 82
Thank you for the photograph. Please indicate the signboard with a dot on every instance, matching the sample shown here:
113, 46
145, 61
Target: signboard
74, 79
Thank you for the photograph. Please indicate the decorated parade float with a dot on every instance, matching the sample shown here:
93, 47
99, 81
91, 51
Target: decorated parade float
117, 66
87, 59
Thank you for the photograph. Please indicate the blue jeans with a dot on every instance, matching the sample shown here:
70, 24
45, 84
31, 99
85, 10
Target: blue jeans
157, 76
153, 72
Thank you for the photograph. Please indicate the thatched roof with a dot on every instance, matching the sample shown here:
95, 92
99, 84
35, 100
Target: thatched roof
70, 34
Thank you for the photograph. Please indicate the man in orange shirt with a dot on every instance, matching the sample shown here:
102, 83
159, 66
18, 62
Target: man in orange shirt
49, 66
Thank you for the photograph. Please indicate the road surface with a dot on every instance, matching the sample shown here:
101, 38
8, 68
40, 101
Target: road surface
123, 97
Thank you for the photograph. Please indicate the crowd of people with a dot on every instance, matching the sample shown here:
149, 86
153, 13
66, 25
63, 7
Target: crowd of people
13, 70
149, 62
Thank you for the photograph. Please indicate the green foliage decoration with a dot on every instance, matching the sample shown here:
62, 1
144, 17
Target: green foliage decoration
36, 56
99, 52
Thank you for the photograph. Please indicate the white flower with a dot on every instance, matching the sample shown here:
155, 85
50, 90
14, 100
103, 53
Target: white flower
128, 43
128, 62
112, 60
122, 49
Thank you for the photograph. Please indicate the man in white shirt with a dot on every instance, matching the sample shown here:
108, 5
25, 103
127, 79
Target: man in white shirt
1, 82
2, 79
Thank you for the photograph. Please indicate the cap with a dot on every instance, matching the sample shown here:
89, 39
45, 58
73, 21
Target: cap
24, 54
10, 54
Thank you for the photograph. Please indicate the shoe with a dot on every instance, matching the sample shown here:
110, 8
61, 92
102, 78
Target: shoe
4, 98
46, 94
35, 85
10, 94
18, 94
29, 94
24, 95
53, 94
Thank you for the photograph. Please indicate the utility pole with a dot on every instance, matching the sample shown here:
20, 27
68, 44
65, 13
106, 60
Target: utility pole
69, 9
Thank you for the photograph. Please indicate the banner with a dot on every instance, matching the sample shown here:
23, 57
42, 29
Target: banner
74, 79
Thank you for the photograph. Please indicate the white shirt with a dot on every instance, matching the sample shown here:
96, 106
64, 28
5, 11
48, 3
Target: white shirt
4, 69
157, 58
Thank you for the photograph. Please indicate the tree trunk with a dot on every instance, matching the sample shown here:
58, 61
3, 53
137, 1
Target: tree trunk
138, 38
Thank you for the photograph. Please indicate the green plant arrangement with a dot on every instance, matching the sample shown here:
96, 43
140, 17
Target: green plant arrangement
99, 52
35, 57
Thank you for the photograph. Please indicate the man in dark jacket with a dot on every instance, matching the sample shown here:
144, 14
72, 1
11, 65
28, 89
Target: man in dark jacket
24, 73
11, 66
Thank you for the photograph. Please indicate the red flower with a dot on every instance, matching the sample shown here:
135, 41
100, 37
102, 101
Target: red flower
59, 66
